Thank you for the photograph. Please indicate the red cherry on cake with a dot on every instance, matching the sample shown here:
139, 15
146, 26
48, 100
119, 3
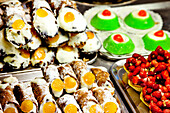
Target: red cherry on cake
106, 13
142, 13
118, 38
159, 33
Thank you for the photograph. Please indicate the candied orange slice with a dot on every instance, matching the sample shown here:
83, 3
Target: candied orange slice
57, 85
25, 53
69, 17
41, 12
110, 107
39, 54
69, 82
90, 35
49, 107
94, 109
70, 108
53, 39
18, 24
9, 110
26, 105
68, 48
89, 78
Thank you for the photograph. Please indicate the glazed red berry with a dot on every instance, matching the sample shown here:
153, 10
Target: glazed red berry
157, 94
149, 90
138, 62
164, 89
163, 98
159, 104
165, 74
135, 80
166, 111
150, 84
142, 74
160, 58
154, 63
167, 103
137, 70
131, 68
153, 99
147, 98
155, 108
156, 87
167, 95
154, 54
147, 65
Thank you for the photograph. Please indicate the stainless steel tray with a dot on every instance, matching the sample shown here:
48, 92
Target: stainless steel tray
29, 74
131, 96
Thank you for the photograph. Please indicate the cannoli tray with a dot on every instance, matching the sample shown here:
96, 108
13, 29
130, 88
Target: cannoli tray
29, 75
131, 96
160, 14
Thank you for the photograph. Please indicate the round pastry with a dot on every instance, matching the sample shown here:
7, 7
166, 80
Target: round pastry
156, 38
119, 43
105, 20
139, 19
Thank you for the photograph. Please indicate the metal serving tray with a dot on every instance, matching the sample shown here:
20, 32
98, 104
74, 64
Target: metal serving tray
30, 74
131, 96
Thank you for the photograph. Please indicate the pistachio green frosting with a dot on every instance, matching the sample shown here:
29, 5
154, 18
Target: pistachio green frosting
139, 23
118, 48
105, 24
151, 44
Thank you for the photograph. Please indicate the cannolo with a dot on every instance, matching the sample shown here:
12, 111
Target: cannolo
44, 20
8, 100
57, 4
107, 101
70, 19
103, 78
52, 76
87, 101
17, 29
68, 104
12, 81
24, 95
85, 77
45, 100
70, 80
42, 57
